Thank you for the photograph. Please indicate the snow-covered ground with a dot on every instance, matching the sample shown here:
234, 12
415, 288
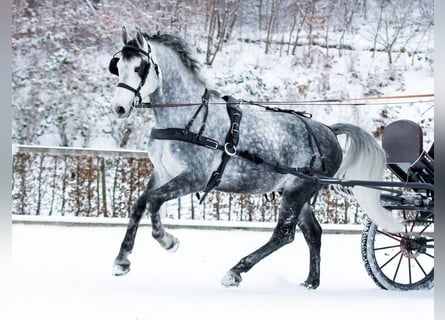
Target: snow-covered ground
65, 273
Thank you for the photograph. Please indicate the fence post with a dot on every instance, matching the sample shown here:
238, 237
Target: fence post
62, 208
230, 206
53, 190
39, 185
104, 187
192, 207
217, 204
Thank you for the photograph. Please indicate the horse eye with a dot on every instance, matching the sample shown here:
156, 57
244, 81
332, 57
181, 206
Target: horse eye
136, 69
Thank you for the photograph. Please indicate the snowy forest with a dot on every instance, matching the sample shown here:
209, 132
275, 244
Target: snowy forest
265, 50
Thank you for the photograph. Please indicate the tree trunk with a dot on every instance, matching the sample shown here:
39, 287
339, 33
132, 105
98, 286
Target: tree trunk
294, 23
379, 24
300, 27
270, 24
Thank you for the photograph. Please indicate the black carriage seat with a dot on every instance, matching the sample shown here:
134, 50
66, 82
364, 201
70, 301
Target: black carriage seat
403, 144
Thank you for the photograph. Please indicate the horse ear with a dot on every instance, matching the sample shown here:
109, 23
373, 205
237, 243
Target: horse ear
140, 38
124, 35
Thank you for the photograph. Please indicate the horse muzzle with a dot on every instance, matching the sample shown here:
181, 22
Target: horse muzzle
122, 112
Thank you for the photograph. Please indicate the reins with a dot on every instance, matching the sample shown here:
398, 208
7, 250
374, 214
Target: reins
149, 105
339, 102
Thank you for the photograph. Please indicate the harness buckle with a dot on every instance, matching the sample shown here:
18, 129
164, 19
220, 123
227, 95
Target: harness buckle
136, 101
228, 146
211, 144
235, 128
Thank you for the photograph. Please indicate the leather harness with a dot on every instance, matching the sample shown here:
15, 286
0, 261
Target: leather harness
229, 147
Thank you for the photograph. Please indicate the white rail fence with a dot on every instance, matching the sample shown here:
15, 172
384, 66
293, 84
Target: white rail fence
80, 182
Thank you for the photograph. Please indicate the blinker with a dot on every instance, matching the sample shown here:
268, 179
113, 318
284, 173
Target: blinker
112, 67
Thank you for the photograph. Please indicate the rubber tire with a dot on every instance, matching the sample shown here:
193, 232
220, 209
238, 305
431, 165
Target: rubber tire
374, 271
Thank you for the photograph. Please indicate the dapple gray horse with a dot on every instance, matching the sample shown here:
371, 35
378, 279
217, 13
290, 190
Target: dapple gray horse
160, 69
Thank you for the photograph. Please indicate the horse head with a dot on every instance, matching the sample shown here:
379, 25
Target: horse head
139, 74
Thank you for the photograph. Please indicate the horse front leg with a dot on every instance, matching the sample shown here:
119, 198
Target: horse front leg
121, 263
152, 200
165, 239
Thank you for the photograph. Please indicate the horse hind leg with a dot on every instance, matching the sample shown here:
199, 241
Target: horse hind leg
311, 229
284, 233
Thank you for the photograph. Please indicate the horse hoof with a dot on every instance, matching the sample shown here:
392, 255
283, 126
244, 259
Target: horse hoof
174, 246
120, 270
168, 242
231, 279
310, 285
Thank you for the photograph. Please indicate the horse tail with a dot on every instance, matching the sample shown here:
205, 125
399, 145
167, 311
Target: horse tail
365, 159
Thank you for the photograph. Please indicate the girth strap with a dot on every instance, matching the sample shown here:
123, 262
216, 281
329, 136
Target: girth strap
186, 136
230, 144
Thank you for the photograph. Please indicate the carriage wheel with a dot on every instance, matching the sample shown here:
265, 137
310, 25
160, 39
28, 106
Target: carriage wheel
402, 261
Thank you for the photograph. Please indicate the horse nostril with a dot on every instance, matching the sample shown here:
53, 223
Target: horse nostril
120, 110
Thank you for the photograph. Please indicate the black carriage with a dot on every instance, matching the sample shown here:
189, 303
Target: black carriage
404, 261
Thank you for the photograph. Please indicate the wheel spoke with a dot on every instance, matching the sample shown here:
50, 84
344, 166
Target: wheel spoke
429, 246
426, 227
397, 269
429, 255
389, 235
388, 247
413, 224
390, 259
409, 271
420, 266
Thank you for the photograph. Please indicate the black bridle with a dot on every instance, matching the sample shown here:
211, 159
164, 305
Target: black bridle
142, 70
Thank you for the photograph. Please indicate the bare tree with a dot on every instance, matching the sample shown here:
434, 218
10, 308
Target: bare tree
394, 25
274, 10
223, 16
350, 7
382, 4
311, 22
303, 12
